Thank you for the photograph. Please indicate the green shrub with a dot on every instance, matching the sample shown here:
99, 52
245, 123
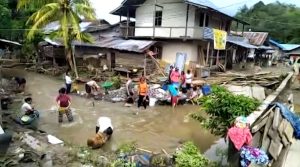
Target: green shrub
116, 80
222, 108
127, 148
190, 156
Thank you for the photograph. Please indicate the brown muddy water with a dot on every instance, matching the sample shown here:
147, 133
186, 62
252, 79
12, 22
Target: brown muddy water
156, 128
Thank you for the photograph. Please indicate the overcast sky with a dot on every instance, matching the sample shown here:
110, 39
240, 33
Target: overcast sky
103, 7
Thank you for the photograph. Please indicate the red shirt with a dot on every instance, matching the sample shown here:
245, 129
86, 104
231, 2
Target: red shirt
64, 100
175, 76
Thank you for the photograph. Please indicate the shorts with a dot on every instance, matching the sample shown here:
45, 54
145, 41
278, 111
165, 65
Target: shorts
88, 89
174, 100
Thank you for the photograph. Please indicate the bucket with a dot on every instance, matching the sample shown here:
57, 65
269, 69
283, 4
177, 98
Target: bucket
152, 102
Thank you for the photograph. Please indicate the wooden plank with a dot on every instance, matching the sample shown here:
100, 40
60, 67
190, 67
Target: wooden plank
253, 116
285, 141
289, 132
256, 140
282, 127
264, 114
268, 126
266, 144
282, 157
259, 125
274, 135
276, 118
275, 149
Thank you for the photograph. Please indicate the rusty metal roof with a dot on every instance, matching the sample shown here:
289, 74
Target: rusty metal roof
255, 38
138, 46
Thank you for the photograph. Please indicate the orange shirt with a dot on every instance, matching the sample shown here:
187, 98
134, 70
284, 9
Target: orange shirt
143, 88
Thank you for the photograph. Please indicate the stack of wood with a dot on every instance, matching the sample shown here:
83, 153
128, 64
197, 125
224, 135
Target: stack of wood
273, 134
264, 79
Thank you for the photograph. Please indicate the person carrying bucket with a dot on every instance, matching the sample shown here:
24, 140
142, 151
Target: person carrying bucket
64, 102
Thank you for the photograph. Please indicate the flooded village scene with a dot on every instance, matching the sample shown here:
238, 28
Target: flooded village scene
149, 83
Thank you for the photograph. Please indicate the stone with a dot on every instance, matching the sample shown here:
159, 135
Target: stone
258, 92
275, 148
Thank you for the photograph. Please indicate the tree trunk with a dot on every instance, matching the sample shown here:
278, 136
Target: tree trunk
74, 61
69, 58
71, 61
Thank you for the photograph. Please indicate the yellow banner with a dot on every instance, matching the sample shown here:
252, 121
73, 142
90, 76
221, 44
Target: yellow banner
220, 38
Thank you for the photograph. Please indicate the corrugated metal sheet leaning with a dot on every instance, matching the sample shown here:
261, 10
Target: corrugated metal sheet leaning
138, 46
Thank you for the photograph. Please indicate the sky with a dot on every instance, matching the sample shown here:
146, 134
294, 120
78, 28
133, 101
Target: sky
104, 7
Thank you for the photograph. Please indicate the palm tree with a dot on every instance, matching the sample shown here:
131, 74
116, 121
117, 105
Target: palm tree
68, 13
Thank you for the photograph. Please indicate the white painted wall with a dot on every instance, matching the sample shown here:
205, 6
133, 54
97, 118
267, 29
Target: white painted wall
171, 48
174, 15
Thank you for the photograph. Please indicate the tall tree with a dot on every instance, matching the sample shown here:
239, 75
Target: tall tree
68, 13
280, 20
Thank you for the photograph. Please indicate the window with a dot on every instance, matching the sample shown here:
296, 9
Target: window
158, 18
201, 21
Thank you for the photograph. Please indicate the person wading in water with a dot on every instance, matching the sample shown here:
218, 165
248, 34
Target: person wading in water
143, 91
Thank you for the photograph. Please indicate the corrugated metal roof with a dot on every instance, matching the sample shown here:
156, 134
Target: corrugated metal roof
10, 42
237, 40
240, 41
285, 47
53, 26
255, 38
289, 47
138, 46
133, 4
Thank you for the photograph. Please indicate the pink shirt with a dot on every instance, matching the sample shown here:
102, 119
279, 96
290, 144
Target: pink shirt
175, 76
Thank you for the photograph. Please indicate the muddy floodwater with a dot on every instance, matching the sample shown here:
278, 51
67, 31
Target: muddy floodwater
156, 128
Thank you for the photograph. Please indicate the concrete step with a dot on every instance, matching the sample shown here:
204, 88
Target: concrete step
293, 159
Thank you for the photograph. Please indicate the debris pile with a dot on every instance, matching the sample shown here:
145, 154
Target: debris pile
274, 132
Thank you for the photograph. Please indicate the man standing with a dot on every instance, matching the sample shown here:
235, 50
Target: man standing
129, 86
68, 81
64, 102
188, 79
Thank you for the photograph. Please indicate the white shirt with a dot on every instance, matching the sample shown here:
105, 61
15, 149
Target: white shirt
188, 78
25, 107
91, 83
103, 123
68, 79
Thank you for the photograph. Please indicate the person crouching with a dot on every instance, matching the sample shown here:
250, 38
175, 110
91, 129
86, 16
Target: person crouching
104, 130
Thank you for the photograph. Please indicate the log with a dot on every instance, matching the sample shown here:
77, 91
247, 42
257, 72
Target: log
17, 64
